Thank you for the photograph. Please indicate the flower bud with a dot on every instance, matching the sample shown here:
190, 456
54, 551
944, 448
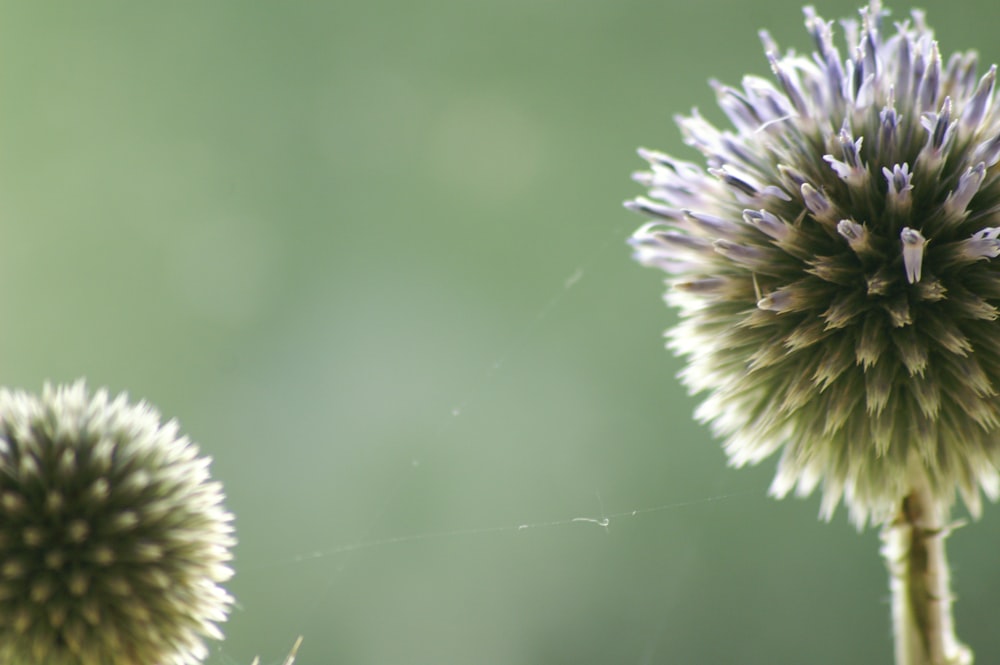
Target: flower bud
113, 537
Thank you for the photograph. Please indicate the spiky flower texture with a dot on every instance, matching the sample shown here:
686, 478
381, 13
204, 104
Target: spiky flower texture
113, 538
833, 267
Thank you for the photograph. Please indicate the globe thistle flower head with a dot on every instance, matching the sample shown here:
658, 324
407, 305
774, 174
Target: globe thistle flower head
834, 266
113, 538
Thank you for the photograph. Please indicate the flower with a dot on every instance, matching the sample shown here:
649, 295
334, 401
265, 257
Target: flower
113, 538
833, 267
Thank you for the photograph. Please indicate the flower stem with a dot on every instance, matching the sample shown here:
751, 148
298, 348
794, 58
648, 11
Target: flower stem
913, 549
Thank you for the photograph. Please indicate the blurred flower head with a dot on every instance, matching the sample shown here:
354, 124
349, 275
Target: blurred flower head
113, 538
834, 266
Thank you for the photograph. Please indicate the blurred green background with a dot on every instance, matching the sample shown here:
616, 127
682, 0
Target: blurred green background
371, 255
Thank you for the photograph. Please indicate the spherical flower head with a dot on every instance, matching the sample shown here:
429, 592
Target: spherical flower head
834, 266
113, 538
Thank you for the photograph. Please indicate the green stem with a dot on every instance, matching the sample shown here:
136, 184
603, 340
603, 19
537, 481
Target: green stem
913, 548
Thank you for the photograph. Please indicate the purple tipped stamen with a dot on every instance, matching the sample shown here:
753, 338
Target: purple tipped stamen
968, 185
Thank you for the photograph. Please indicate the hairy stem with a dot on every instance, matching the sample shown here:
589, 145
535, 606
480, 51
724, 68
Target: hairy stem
913, 548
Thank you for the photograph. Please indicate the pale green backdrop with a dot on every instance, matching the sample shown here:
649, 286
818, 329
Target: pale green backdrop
371, 255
